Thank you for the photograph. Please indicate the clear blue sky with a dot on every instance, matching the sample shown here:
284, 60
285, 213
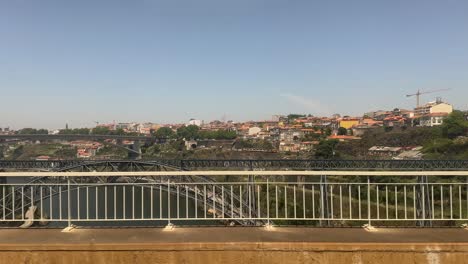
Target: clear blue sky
169, 60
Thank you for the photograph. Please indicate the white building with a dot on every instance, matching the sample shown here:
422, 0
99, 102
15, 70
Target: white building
433, 113
253, 131
434, 119
195, 122
434, 107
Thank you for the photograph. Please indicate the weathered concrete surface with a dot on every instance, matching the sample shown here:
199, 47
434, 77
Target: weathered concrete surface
234, 245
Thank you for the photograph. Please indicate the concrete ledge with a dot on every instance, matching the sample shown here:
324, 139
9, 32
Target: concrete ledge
234, 245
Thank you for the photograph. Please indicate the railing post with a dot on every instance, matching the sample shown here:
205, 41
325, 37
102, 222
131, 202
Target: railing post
268, 201
169, 226
70, 226
368, 201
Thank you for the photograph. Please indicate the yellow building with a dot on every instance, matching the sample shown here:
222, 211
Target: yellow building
349, 122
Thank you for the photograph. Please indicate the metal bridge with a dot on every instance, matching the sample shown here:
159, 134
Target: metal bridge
231, 191
79, 137
324, 165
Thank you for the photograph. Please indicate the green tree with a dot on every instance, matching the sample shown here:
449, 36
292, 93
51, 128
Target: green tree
454, 125
188, 132
33, 131
164, 132
326, 149
342, 131
101, 131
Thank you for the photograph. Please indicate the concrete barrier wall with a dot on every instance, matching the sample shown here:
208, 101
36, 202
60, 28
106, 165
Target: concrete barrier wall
238, 253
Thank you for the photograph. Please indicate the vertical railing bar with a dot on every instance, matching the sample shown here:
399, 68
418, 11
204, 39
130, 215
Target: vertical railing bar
359, 201
441, 201
396, 202
368, 201
69, 202
276, 200
87, 202
196, 201
404, 198
414, 202
42, 203
142, 202
331, 201
459, 202
268, 201
258, 202
451, 205
161, 201
60, 201
22, 202
124, 193
303, 202
377, 201
313, 201
386, 201
105, 202
322, 202
222, 199
285, 202
13, 202
232, 201
341, 202
250, 200
178, 201
152, 202
187, 202
97, 202
50, 203
204, 200
133, 202
4, 209
77, 202
115, 202
214, 200
169, 201
240, 201
350, 201
423, 201
295, 204
432, 201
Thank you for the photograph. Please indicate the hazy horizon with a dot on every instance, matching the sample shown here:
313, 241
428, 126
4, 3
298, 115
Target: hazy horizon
167, 61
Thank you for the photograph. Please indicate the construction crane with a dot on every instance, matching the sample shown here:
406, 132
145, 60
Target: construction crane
418, 93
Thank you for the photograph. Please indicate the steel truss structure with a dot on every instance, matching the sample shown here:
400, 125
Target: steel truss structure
323, 165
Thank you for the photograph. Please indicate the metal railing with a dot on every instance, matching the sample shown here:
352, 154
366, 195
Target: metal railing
278, 197
357, 165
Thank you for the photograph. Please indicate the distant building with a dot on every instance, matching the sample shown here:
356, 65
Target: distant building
348, 122
383, 151
291, 135
433, 107
434, 119
195, 122
432, 113
254, 131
